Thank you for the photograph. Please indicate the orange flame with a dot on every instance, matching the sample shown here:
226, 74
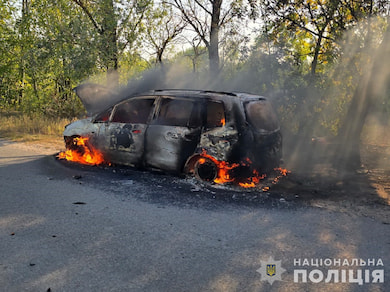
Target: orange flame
224, 172
282, 172
85, 153
253, 180
223, 175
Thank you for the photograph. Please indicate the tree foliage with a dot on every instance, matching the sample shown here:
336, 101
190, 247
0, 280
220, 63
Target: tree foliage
8, 54
316, 25
207, 18
162, 26
117, 24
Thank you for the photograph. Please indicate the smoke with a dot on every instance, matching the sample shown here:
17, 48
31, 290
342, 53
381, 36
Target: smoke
96, 97
351, 104
175, 76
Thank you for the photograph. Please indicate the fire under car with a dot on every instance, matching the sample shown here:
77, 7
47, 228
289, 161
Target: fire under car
214, 136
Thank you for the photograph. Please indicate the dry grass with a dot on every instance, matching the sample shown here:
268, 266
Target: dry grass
21, 127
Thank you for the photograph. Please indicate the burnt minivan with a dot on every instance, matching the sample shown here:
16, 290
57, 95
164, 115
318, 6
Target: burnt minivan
185, 131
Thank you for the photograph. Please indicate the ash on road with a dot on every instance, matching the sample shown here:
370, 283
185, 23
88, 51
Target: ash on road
66, 227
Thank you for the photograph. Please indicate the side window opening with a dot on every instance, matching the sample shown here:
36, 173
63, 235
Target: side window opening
215, 114
178, 112
104, 116
133, 111
261, 115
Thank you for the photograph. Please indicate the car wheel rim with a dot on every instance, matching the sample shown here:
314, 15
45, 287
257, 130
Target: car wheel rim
205, 169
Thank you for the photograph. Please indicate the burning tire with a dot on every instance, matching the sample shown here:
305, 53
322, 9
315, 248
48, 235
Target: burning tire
205, 169
71, 143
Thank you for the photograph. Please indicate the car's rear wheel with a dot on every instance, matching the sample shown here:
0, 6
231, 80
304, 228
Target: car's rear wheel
205, 169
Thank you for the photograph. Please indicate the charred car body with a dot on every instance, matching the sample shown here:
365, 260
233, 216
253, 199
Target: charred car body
184, 131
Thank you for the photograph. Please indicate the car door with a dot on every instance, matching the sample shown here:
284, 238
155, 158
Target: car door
124, 134
173, 134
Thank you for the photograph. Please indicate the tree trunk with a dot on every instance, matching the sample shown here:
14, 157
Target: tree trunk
316, 54
109, 40
214, 39
24, 34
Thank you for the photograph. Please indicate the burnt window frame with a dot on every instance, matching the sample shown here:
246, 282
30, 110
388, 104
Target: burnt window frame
206, 105
251, 123
151, 112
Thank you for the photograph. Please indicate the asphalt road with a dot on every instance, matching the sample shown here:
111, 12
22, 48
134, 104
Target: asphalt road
65, 227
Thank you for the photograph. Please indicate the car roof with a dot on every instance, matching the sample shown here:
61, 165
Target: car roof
202, 94
96, 98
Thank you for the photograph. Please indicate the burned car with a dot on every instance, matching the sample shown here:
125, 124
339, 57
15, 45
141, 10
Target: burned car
216, 136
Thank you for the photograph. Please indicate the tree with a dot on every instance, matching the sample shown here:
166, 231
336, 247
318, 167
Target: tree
44, 51
24, 31
9, 55
162, 27
64, 54
195, 52
118, 24
322, 22
49, 46
207, 17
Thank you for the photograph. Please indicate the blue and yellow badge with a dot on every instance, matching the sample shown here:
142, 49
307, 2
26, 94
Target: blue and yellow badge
271, 270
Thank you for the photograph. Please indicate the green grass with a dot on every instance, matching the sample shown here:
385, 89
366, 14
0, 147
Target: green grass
22, 127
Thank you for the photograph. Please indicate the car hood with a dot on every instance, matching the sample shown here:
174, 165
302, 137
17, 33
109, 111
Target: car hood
96, 98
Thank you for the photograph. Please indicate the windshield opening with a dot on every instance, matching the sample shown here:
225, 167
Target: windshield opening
133, 111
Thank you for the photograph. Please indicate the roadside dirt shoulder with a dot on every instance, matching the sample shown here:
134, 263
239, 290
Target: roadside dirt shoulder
42, 147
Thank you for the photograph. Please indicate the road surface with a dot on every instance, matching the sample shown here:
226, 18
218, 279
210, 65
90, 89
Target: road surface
65, 227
